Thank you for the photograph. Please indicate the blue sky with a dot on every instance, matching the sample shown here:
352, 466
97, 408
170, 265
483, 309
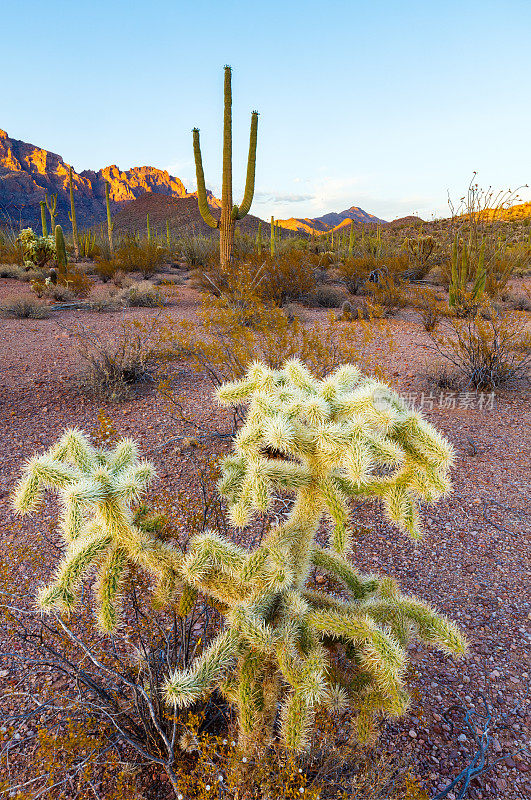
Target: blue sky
385, 104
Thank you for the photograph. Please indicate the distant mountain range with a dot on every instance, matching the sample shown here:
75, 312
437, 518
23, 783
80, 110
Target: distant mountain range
331, 221
28, 172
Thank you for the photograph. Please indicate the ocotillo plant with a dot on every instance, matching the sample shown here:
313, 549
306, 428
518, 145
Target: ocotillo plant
60, 250
460, 274
229, 213
73, 214
110, 224
43, 218
272, 236
325, 442
51, 205
168, 241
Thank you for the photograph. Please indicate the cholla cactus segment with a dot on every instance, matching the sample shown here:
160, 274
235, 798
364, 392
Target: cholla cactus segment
96, 489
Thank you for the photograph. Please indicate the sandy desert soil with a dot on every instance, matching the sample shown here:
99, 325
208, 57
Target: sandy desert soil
474, 562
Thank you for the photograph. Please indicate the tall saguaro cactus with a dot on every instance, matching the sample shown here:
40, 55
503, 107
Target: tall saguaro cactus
73, 214
229, 212
110, 224
51, 205
43, 218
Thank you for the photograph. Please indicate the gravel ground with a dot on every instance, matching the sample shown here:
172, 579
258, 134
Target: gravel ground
474, 562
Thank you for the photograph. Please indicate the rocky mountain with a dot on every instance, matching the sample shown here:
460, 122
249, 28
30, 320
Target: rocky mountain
331, 221
27, 172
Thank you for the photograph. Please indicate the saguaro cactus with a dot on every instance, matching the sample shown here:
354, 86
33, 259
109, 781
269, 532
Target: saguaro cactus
51, 205
229, 213
73, 214
60, 250
259, 239
110, 224
43, 218
324, 442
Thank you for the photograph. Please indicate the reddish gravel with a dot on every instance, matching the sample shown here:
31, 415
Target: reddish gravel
474, 562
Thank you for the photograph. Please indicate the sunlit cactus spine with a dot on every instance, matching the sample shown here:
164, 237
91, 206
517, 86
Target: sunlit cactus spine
345, 437
60, 250
51, 205
43, 218
73, 214
229, 213
110, 224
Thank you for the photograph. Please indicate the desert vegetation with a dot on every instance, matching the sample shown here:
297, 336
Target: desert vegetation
219, 603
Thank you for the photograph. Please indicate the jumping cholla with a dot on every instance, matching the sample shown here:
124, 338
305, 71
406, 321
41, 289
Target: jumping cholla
284, 645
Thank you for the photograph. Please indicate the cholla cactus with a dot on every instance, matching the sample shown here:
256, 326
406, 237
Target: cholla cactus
37, 250
97, 489
325, 441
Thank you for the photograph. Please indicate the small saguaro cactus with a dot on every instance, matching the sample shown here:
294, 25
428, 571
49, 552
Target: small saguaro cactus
324, 442
60, 250
73, 214
148, 229
229, 213
51, 205
43, 218
110, 224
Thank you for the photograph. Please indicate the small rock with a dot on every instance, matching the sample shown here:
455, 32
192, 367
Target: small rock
413, 734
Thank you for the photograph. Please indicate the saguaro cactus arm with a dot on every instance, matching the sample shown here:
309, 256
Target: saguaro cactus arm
239, 212
204, 208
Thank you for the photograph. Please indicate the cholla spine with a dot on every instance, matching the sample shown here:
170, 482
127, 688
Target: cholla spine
333, 437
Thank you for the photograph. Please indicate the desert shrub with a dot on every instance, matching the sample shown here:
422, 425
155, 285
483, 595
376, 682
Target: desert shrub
233, 337
325, 297
105, 303
370, 310
142, 294
114, 367
355, 271
23, 307
419, 250
133, 255
198, 251
521, 302
487, 351
106, 268
427, 303
387, 291
52, 291
11, 271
